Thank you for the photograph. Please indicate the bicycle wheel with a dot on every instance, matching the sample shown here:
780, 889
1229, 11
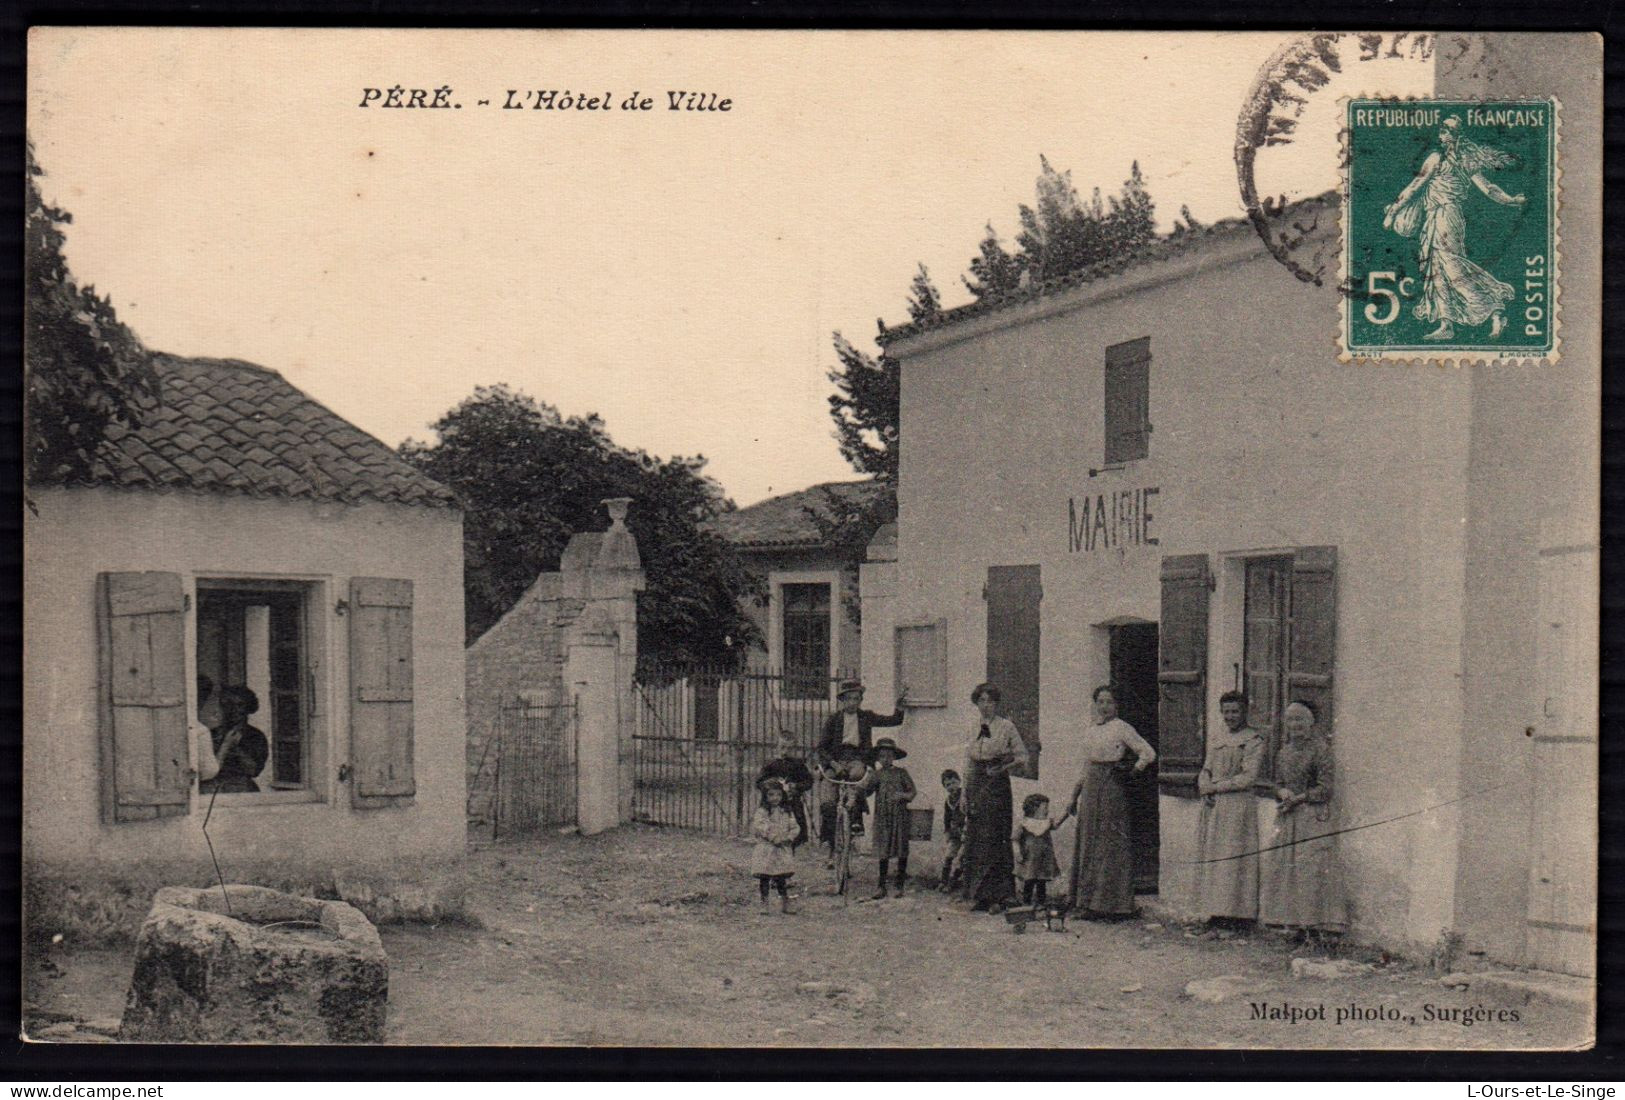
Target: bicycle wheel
843, 852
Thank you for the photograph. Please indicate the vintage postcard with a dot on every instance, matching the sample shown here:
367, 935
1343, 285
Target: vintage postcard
490, 580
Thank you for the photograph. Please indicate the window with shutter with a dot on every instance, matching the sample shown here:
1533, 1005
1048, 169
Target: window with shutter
1182, 671
1013, 597
1313, 631
1128, 401
381, 760
1265, 618
1289, 625
145, 758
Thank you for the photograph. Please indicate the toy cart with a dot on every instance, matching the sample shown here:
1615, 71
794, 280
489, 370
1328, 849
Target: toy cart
1020, 916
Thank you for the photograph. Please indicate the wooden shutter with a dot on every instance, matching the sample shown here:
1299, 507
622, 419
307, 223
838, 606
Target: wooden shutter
145, 758
1128, 400
381, 692
1312, 631
1013, 595
1182, 671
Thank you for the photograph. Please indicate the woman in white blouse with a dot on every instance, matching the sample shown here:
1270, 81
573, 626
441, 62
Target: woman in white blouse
1103, 861
993, 753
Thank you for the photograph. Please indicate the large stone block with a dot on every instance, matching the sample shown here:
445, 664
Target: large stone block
265, 967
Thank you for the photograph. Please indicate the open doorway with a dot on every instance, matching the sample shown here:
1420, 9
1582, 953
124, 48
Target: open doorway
1134, 671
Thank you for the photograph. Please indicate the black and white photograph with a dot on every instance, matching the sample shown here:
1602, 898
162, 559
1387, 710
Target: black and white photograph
811, 539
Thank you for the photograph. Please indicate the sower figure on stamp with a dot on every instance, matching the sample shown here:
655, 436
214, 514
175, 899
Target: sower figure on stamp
848, 736
1454, 289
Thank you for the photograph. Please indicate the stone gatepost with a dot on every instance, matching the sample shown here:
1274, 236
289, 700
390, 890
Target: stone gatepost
877, 593
604, 572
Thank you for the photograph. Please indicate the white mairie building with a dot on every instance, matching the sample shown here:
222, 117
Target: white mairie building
1161, 476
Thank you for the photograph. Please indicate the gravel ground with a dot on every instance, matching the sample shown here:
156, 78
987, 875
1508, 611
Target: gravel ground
645, 936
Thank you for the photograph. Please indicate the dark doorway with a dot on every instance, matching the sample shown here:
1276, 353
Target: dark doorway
1134, 671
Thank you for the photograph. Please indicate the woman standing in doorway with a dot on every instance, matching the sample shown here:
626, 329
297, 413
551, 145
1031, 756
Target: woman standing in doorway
995, 751
1300, 882
1227, 837
1103, 861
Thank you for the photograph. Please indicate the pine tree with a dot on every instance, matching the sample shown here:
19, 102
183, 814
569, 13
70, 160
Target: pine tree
993, 271
864, 407
923, 300
1060, 235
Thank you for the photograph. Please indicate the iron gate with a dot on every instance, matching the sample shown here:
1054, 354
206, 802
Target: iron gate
533, 776
703, 734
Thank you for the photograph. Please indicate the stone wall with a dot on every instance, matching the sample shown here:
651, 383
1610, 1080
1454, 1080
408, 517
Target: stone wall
571, 638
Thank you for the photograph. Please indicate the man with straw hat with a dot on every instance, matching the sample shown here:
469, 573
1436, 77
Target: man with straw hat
847, 738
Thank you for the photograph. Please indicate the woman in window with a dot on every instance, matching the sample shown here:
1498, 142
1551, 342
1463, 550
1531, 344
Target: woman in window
1227, 836
240, 749
1103, 860
989, 867
1300, 884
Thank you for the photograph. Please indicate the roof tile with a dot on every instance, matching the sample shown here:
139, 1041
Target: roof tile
783, 520
230, 426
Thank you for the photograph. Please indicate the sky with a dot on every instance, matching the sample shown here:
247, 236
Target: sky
677, 272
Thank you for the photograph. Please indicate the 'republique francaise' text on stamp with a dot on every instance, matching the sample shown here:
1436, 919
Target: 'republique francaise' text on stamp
1450, 240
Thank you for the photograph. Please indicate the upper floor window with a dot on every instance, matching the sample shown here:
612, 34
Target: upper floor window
1128, 400
806, 640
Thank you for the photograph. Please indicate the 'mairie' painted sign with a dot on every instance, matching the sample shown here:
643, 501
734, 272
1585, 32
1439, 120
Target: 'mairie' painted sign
1111, 521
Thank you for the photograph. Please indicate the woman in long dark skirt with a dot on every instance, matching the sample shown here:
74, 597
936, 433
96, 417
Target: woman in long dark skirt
1103, 861
995, 751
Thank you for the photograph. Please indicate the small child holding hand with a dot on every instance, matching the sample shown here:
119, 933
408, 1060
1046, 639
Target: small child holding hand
1035, 848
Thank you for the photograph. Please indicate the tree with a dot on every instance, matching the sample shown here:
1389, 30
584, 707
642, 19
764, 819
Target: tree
1060, 235
85, 370
993, 270
530, 478
923, 300
864, 407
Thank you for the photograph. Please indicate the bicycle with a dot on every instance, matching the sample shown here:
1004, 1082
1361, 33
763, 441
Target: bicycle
843, 833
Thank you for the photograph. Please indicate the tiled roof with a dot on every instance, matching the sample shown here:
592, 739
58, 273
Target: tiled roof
783, 521
225, 426
1164, 248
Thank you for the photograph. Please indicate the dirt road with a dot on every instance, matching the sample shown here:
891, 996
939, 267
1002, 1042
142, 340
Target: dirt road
651, 937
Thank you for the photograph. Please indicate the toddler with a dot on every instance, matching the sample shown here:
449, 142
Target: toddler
1035, 848
773, 859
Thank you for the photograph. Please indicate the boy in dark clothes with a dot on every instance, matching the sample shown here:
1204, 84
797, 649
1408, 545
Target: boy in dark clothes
953, 828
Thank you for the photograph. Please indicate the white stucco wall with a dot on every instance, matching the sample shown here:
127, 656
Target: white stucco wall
82, 532
1536, 458
1261, 441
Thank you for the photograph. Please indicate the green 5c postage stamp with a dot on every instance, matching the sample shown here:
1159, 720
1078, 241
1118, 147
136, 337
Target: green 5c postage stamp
1450, 242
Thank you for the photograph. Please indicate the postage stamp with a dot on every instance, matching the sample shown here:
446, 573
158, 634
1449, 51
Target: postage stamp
1450, 238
